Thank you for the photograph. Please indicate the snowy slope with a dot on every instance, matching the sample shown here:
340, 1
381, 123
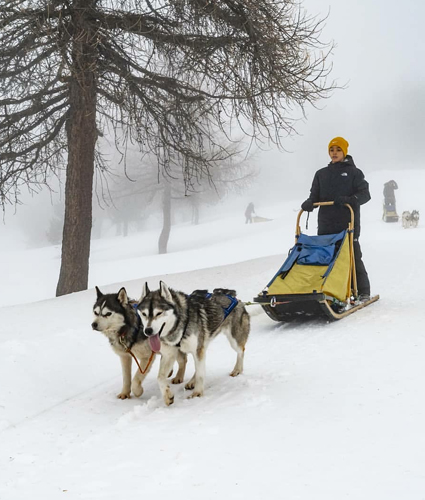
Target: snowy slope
323, 411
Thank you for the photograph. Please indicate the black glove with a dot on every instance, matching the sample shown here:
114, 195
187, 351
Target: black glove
307, 206
342, 200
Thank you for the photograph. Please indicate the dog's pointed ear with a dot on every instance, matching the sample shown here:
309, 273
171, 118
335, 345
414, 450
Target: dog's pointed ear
165, 292
98, 292
122, 296
145, 291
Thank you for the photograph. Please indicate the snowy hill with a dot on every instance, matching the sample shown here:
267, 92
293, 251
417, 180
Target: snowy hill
322, 411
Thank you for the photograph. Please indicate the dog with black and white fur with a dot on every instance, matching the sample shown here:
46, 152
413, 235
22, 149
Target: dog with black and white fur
187, 323
115, 316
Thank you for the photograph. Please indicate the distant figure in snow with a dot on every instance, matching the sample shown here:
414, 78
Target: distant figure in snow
389, 196
249, 212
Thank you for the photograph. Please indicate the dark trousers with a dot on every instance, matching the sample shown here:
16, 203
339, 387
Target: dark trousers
363, 285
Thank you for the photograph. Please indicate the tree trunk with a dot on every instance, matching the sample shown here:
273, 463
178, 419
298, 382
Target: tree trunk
82, 135
195, 210
166, 211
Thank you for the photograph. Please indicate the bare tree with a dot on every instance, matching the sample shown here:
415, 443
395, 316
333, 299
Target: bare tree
131, 198
163, 73
127, 202
166, 223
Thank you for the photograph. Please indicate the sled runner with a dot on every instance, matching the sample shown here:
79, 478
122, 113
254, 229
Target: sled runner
318, 278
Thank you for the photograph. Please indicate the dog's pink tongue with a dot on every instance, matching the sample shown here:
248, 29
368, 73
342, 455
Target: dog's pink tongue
155, 343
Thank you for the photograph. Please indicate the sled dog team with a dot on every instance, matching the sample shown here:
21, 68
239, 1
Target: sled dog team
410, 219
172, 324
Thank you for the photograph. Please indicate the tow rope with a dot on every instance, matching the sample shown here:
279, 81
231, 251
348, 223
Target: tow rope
127, 349
272, 303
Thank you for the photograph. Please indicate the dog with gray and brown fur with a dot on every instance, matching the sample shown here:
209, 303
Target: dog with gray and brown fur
115, 316
179, 323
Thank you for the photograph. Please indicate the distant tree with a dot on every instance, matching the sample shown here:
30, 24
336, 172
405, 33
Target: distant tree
166, 212
157, 72
128, 197
134, 197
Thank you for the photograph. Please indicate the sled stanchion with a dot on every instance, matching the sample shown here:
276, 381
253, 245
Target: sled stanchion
353, 277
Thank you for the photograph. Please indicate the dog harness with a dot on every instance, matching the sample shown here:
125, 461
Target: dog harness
207, 295
233, 303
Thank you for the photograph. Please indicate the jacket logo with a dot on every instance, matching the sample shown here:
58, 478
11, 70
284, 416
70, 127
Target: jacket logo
344, 174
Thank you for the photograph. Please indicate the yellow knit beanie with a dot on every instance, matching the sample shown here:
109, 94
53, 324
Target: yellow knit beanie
341, 142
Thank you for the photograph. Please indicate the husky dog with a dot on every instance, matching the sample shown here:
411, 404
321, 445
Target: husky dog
187, 323
414, 218
406, 219
116, 317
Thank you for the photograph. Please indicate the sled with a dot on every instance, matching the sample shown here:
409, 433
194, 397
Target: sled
390, 214
318, 278
256, 218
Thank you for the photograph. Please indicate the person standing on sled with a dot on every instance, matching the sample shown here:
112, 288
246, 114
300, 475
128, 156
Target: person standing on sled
341, 182
389, 196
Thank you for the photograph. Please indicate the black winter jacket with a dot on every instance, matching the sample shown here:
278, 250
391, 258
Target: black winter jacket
339, 179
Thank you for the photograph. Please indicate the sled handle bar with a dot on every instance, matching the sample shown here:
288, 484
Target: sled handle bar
350, 236
322, 204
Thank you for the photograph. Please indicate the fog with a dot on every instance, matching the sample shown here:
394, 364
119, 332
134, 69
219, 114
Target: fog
379, 108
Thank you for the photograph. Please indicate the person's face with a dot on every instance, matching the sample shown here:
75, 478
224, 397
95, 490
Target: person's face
336, 154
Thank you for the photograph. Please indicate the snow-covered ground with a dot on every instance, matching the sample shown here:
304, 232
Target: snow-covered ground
322, 411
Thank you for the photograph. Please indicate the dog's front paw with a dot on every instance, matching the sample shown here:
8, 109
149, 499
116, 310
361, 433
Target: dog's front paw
137, 390
123, 395
235, 372
196, 394
168, 397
